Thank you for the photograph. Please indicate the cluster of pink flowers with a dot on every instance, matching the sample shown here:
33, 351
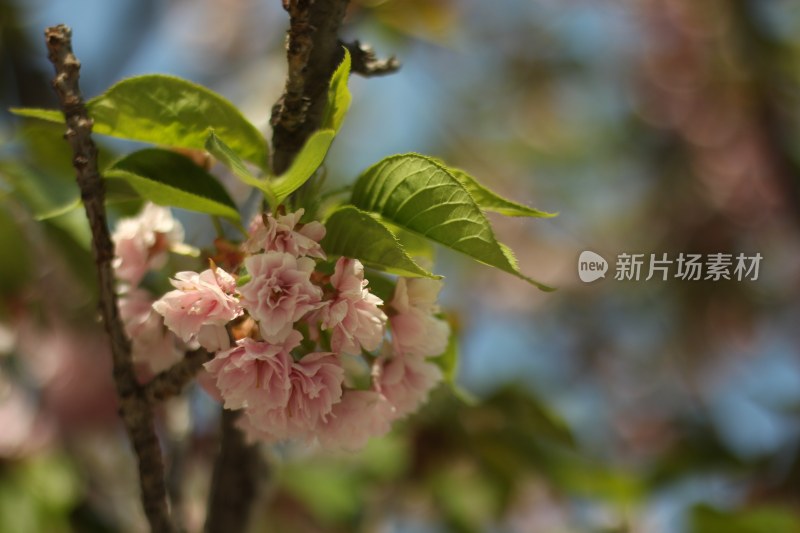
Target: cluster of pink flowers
285, 334
142, 244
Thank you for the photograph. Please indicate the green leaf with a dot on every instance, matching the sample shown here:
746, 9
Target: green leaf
594, 480
351, 232
59, 211
491, 201
761, 519
170, 179
332, 492
216, 147
43, 194
168, 111
338, 96
51, 115
313, 153
415, 245
419, 194
304, 165
448, 360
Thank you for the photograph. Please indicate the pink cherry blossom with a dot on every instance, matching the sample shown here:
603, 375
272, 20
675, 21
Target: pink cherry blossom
415, 328
279, 292
254, 374
353, 314
200, 307
152, 344
285, 234
268, 426
317, 381
405, 381
361, 415
142, 242
316, 386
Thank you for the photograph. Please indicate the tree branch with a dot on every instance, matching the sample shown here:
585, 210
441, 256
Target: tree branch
172, 381
235, 479
135, 409
366, 63
313, 52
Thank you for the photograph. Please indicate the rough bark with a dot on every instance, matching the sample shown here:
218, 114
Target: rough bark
234, 483
313, 52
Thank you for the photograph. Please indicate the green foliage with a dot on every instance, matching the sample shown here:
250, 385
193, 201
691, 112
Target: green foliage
594, 479
765, 519
339, 96
13, 274
278, 190
305, 164
228, 157
47, 199
420, 195
327, 489
448, 360
414, 244
168, 111
466, 500
334, 488
491, 201
50, 115
168, 178
38, 495
355, 233
316, 147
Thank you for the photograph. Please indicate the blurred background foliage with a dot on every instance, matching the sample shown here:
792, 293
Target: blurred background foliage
652, 126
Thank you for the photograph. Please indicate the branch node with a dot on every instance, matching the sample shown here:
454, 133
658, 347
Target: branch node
366, 63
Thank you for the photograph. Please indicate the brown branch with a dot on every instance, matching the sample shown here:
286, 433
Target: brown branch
313, 53
234, 482
366, 63
172, 381
135, 409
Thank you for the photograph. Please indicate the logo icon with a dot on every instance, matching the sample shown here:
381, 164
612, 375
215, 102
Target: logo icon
591, 266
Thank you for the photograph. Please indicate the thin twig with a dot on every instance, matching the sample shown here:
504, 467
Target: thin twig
366, 63
135, 410
172, 381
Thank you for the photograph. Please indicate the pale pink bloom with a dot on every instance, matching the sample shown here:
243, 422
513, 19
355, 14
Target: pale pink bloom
317, 381
151, 343
285, 234
26, 428
415, 328
254, 374
279, 292
141, 242
405, 381
316, 386
200, 307
361, 415
73, 370
213, 338
353, 314
268, 426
